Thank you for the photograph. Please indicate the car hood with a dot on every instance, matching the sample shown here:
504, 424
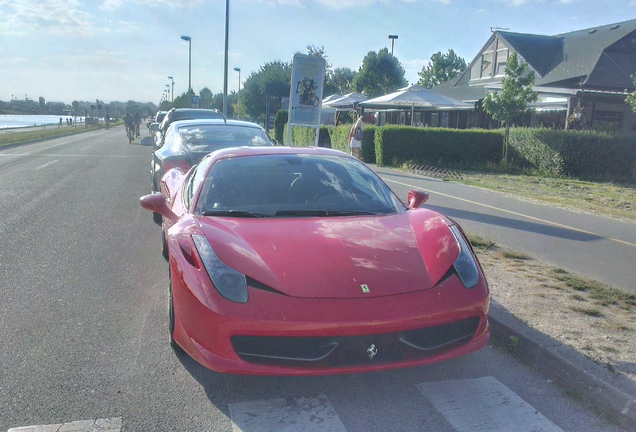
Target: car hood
337, 257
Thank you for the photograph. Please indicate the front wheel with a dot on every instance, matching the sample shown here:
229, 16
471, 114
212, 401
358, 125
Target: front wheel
175, 346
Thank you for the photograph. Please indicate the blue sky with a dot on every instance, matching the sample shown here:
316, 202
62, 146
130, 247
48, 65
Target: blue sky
116, 50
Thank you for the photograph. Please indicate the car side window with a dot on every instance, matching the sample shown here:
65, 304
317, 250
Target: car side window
196, 175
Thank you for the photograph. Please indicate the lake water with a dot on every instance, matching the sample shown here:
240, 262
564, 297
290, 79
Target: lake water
11, 121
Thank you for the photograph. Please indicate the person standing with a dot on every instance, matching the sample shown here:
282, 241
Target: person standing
355, 138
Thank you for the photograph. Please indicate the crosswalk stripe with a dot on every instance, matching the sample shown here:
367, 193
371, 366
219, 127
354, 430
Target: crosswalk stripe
307, 414
484, 404
98, 425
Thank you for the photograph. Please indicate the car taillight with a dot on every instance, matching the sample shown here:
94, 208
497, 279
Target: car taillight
169, 164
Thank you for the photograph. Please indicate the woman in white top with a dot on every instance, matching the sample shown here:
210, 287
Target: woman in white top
355, 138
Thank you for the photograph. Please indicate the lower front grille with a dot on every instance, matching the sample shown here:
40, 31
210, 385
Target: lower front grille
347, 351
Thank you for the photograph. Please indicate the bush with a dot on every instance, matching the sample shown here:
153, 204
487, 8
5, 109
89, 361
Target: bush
279, 125
450, 148
582, 154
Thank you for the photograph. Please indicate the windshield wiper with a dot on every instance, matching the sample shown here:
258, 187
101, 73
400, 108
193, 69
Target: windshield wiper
234, 213
322, 212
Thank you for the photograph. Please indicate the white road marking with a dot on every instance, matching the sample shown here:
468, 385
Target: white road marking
484, 404
83, 155
99, 425
306, 414
47, 164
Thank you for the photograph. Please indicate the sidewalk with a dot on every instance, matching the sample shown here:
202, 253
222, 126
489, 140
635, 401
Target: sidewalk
611, 393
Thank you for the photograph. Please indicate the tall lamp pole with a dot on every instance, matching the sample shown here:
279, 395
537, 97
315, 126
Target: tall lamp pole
189, 40
172, 81
238, 106
227, 26
393, 38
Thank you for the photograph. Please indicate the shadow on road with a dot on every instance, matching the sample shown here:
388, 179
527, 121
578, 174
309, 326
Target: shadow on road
529, 226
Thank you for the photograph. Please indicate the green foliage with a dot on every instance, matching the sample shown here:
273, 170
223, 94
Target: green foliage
442, 68
513, 99
279, 125
450, 148
381, 73
306, 136
580, 154
340, 81
272, 79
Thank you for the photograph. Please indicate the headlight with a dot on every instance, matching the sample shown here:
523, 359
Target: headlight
228, 282
465, 264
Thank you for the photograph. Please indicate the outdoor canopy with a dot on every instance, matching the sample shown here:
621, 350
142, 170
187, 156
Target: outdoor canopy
415, 96
346, 102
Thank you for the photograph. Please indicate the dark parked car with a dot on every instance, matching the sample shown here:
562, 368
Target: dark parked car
176, 114
185, 142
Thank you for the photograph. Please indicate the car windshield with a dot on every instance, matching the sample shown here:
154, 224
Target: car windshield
294, 186
207, 138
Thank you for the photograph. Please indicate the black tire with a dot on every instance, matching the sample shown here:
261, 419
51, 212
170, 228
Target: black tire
164, 242
175, 346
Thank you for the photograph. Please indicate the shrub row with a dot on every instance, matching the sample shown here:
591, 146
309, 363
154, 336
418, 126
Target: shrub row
580, 154
450, 148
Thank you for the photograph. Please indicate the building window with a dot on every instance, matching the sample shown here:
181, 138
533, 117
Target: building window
502, 59
484, 66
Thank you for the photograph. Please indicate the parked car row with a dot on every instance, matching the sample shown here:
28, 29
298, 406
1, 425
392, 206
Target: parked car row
302, 261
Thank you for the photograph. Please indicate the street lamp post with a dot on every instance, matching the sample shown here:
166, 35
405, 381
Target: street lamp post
172, 81
189, 40
227, 26
238, 106
393, 38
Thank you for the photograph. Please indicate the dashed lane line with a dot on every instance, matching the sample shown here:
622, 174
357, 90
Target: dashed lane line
98, 425
47, 164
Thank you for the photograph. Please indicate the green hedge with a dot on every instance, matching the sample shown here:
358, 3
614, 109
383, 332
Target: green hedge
450, 148
306, 136
580, 154
279, 125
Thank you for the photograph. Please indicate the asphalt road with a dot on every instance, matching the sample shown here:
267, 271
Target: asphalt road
598, 247
83, 326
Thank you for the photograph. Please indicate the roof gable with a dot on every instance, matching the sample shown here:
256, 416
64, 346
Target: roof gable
599, 58
540, 52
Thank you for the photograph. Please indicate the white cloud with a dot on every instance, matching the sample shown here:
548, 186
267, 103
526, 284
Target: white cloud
60, 17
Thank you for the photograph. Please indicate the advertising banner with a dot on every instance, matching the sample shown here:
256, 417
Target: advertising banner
305, 99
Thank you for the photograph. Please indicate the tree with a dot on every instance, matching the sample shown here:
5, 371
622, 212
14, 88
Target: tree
631, 98
516, 93
441, 68
339, 81
380, 73
272, 79
315, 51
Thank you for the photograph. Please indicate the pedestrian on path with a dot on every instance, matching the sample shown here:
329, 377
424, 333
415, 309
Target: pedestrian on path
355, 138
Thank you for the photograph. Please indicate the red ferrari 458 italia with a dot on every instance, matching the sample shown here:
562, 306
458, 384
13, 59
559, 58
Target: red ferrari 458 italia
302, 261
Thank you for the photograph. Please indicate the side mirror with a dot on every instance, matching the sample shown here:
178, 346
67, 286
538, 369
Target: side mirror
154, 127
417, 198
158, 203
147, 141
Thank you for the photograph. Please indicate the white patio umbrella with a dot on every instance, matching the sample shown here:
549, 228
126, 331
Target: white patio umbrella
415, 96
347, 101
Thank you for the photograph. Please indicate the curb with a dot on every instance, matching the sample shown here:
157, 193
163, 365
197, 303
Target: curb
612, 393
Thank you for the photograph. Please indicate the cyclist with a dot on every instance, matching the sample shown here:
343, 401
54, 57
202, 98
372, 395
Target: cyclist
137, 123
130, 127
